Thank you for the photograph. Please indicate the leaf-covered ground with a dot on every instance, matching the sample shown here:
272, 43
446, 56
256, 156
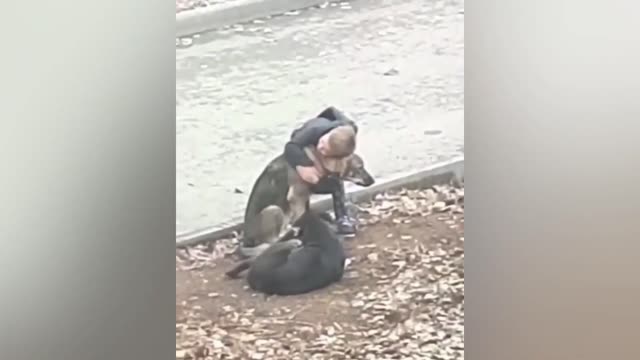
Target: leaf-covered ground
402, 296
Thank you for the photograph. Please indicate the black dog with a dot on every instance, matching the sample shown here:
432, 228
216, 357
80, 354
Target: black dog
286, 268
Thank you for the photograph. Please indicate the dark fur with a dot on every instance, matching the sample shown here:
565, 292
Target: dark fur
289, 235
286, 269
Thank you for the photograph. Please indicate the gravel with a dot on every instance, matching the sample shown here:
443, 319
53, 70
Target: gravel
184, 5
241, 90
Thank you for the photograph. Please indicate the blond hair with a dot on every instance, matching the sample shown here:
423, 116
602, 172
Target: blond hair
341, 141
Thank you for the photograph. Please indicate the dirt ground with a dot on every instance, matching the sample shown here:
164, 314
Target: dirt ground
402, 296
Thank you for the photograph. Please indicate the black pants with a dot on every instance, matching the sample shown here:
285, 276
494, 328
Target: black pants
335, 186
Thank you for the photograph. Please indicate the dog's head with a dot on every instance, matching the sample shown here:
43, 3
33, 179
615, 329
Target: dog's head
356, 173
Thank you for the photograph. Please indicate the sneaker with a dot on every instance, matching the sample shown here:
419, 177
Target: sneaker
346, 226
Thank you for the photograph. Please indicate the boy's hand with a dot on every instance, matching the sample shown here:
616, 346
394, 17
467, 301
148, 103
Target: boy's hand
309, 174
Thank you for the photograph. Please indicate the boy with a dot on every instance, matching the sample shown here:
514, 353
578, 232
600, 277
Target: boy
334, 136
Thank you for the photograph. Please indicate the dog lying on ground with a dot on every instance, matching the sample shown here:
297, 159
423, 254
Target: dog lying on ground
288, 240
296, 266
278, 199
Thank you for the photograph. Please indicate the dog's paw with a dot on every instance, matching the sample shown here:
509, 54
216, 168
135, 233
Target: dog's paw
293, 243
296, 232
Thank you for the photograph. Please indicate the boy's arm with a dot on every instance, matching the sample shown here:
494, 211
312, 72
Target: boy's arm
295, 155
307, 135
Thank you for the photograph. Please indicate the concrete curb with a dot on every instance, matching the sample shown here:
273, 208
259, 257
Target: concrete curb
437, 174
199, 20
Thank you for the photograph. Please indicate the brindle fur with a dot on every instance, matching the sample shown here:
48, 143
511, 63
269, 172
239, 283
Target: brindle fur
279, 197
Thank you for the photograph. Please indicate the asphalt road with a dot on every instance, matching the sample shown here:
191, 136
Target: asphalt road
397, 66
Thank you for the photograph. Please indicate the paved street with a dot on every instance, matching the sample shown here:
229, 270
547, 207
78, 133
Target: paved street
240, 92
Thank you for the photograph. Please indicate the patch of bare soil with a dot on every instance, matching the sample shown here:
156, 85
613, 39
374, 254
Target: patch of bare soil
402, 296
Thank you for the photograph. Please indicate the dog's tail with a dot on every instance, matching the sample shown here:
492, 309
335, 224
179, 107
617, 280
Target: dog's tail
240, 267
